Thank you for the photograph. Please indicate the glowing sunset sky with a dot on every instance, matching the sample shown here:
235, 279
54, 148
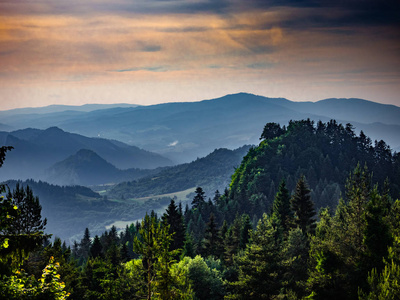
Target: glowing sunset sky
147, 51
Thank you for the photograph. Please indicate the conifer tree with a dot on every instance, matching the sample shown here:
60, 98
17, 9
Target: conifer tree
29, 219
303, 207
259, 267
96, 248
281, 207
199, 198
212, 241
84, 246
245, 231
174, 219
217, 197
153, 247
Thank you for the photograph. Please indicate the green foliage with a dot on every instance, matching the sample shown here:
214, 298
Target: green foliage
153, 246
174, 219
271, 130
259, 266
350, 244
199, 198
212, 240
386, 284
22, 286
325, 153
281, 211
205, 281
303, 207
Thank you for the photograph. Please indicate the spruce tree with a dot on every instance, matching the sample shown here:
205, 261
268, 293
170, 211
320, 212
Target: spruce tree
84, 246
96, 249
281, 207
212, 241
174, 219
303, 207
199, 198
29, 219
259, 267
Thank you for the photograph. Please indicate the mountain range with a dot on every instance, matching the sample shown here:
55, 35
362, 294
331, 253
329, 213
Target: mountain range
185, 131
36, 151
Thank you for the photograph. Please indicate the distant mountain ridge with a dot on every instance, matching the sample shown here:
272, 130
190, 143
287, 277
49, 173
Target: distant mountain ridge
37, 150
185, 131
87, 168
61, 108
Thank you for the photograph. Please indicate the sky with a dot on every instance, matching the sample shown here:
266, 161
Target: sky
153, 51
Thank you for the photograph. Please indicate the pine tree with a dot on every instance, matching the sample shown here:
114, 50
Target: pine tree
281, 207
199, 198
303, 207
153, 247
212, 241
96, 249
174, 219
259, 267
245, 231
217, 197
84, 246
29, 219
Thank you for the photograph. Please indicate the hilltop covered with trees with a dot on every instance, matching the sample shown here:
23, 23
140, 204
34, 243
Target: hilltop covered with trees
310, 214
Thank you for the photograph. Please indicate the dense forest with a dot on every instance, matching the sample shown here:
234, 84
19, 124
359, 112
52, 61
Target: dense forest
311, 213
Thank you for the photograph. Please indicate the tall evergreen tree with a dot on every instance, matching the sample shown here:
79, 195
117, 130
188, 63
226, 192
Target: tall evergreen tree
199, 198
153, 247
96, 248
29, 219
245, 231
174, 219
259, 267
84, 246
212, 241
217, 197
281, 207
303, 207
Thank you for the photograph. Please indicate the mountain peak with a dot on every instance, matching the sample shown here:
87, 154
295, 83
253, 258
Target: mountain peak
54, 129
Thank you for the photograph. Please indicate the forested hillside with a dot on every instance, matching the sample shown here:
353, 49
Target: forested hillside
211, 172
324, 153
269, 235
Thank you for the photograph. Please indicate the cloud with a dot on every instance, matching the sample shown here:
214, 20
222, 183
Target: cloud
173, 144
151, 48
150, 69
262, 65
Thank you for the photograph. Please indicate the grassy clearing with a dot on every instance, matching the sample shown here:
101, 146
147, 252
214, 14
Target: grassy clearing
178, 196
